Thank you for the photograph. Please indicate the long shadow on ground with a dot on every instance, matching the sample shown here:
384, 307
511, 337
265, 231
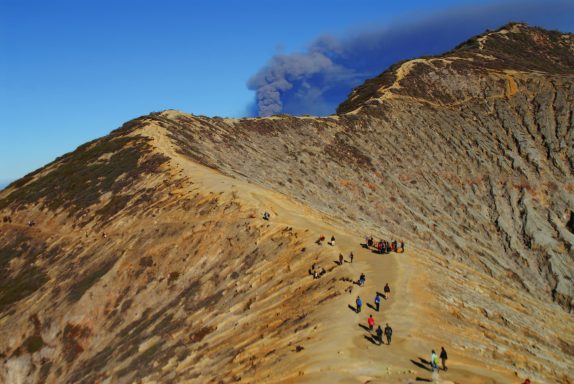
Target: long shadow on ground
365, 327
422, 364
371, 339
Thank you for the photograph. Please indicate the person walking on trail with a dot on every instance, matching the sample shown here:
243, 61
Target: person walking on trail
379, 335
387, 291
332, 243
434, 361
371, 322
351, 256
340, 259
377, 301
362, 279
388, 333
359, 303
443, 358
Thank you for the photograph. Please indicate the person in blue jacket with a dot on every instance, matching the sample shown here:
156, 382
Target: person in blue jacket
377, 301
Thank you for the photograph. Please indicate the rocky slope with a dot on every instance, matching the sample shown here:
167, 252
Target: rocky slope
472, 153
148, 260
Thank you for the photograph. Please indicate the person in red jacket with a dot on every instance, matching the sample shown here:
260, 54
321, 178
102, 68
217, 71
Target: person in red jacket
371, 322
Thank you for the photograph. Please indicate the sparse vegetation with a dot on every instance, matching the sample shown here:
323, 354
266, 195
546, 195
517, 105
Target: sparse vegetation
34, 343
79, 179
25, 282
79, 288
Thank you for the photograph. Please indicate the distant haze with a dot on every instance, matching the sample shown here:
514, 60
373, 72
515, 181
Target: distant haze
315, 82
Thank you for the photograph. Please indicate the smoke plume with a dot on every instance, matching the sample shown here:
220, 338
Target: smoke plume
317, 81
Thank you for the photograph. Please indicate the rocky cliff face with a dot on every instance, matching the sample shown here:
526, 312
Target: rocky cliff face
144, 265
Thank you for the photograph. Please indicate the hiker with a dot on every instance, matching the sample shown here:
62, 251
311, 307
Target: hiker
526, 381
395, 245
387, 291
380, 247
332, 243
379, 335
388, 333
377, 301
315, 271
403, 245
351, 256
266, 215
371, 322
434, 361
370, 241
362, 280
340, 259
359, 303
443, 358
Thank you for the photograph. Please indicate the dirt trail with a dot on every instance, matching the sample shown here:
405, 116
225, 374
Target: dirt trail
342, 351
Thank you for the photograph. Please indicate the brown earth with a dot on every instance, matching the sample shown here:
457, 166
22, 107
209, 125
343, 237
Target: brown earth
149, 261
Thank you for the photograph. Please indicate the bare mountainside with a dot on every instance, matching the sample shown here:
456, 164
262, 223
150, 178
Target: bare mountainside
148, 261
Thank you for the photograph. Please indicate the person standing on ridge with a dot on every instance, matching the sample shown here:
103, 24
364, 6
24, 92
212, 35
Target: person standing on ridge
380, 335
371, 322
340, 259
332, 243
359, 303
351, 256
362, 279
377, 301
443, 358
388, 333
387, 291
434, 361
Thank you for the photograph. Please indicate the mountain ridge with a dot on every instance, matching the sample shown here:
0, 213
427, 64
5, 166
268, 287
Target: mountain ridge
142, 256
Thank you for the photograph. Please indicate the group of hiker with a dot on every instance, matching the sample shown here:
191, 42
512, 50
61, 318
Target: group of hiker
384, 246
388, 331
317, 271
322, 238
342, 259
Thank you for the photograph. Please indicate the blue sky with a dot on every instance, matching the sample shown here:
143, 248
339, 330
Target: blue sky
71, 71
